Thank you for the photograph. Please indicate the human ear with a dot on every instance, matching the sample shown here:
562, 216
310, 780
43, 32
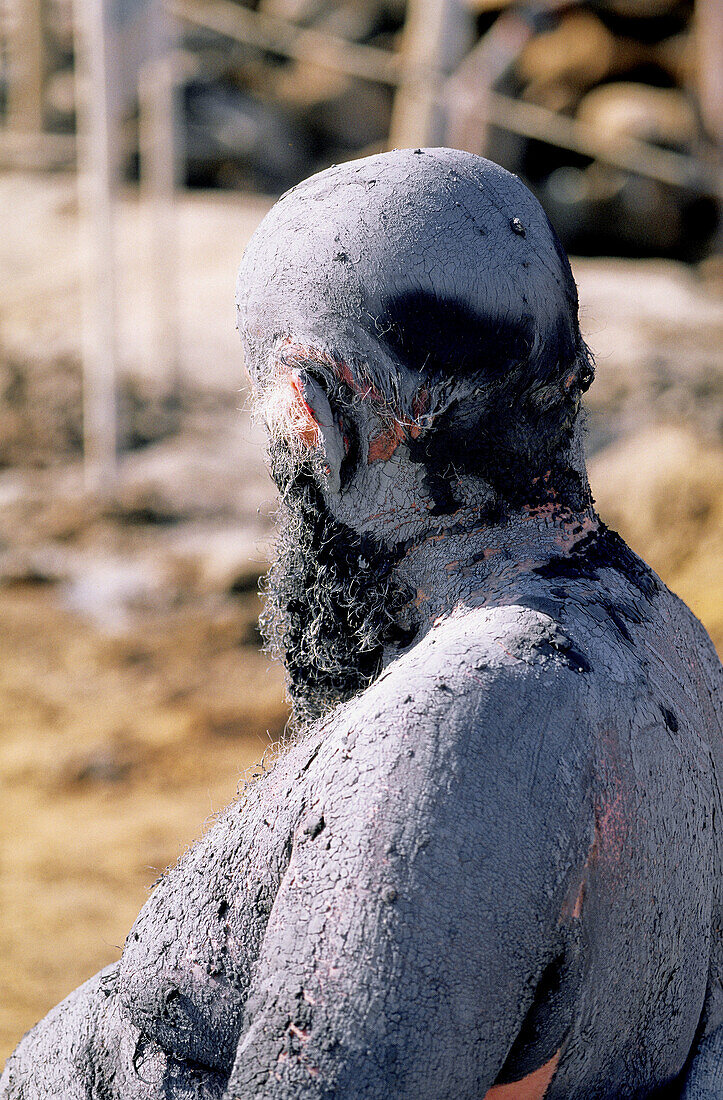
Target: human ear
330, 436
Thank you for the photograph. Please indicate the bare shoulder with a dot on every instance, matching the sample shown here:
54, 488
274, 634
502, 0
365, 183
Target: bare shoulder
500, 699
502, 657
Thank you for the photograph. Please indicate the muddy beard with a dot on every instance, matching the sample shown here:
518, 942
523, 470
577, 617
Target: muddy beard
332, 601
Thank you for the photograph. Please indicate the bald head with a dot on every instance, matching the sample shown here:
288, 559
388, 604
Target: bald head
426, 291
440, 258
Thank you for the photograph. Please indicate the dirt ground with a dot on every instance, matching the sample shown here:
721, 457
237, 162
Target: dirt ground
133, 694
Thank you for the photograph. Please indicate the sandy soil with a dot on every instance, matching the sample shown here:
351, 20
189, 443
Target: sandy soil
132, 691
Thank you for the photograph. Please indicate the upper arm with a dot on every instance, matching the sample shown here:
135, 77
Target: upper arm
423, 899
86, 1047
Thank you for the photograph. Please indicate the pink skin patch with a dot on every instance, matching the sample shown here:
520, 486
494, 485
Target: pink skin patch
532, 1087
611, 828
385, 444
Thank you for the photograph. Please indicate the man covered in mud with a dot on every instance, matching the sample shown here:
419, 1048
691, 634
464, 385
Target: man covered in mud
489, 865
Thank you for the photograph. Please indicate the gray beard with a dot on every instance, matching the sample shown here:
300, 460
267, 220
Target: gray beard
332, 598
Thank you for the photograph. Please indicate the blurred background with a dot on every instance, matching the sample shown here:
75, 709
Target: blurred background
140, 144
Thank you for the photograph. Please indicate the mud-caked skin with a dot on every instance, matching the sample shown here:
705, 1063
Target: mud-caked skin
489, 864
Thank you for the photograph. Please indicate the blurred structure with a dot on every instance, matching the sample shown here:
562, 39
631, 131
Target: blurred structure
273, 89
122, 52
609, 109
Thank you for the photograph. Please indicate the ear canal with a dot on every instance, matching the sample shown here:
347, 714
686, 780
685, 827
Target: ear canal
331, 435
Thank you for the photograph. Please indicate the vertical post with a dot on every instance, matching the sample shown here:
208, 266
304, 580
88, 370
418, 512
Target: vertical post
25, 50
708, 29
157, 141
436, 35
468, 88
96, 172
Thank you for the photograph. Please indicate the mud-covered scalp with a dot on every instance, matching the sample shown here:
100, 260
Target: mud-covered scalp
432, 282
441, 257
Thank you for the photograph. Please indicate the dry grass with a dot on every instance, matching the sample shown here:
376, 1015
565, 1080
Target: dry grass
114, 753
662, 489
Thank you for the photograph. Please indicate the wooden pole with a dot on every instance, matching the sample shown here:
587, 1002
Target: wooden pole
255, 28
435, 38
26, 65
157, 140
468, 88
96, 173
708, 29
628, 154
